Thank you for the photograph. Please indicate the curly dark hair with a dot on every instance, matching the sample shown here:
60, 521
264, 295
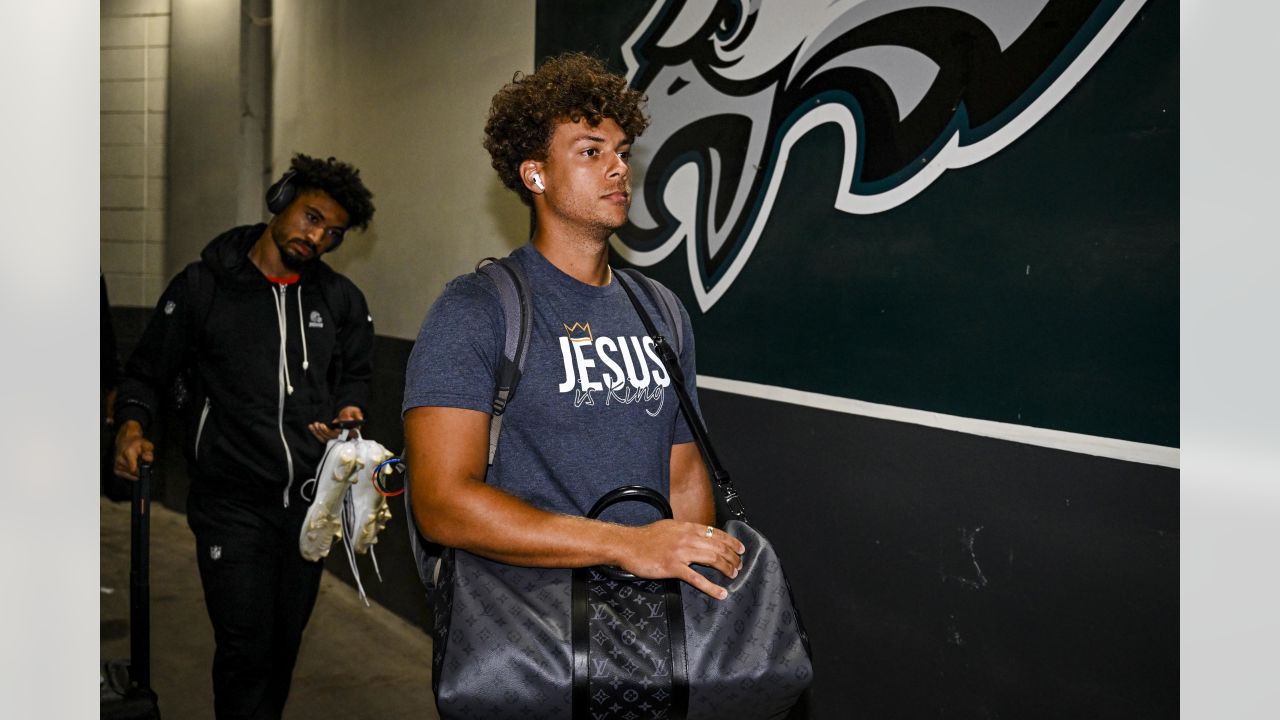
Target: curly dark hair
340, 181
569, 87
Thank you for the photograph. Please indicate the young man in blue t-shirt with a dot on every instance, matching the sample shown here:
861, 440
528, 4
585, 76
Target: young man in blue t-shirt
594, 408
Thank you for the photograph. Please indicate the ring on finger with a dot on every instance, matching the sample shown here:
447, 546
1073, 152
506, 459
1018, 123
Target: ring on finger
710, 530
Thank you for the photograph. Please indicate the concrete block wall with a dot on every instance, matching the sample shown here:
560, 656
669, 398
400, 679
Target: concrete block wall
134, 45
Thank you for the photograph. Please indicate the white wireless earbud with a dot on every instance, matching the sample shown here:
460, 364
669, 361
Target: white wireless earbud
537, 180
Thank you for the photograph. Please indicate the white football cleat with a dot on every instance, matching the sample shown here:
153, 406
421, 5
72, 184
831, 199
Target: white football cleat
369, 511
323, 523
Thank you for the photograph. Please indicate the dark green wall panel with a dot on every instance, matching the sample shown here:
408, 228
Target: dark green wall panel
1037, 287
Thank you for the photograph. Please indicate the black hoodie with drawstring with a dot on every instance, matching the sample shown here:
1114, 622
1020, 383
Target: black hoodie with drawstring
267, 359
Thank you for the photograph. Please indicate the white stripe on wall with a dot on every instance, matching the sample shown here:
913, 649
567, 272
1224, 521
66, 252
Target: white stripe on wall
1056, 439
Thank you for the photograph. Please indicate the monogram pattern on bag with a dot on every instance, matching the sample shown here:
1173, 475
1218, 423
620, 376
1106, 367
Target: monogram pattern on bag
488, 663
630, 648
441, 608
490, 619
765, 639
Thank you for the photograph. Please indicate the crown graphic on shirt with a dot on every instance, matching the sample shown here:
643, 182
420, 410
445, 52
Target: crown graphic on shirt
578, 332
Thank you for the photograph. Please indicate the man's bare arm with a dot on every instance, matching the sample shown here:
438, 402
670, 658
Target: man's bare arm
447, 453
691, 485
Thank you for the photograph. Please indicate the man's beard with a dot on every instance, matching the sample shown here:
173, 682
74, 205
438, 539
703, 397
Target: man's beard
294, 262
291, 258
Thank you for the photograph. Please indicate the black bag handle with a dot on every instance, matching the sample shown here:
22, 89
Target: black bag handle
643, 494
729, 505
674, 608
627, 493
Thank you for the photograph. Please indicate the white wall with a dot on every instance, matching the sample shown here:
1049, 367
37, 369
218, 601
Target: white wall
216, 157
401, 90
134, 49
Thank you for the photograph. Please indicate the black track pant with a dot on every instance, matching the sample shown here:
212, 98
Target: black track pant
259, 593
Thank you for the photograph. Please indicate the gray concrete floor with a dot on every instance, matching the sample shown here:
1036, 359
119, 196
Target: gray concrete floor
356, 661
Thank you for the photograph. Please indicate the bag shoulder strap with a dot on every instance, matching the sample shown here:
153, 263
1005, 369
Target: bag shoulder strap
728, 504
513, 293
665, 300
200, 290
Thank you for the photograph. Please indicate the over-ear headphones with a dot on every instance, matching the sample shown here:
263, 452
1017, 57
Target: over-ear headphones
281, 194
537, 180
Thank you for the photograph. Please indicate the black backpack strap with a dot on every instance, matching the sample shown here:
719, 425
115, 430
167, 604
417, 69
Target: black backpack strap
513, 293
200, 289
664, 300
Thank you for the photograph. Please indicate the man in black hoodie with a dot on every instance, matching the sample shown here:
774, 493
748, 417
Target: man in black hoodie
272, 347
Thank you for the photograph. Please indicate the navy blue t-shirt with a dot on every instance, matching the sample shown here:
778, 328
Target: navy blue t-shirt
594, 409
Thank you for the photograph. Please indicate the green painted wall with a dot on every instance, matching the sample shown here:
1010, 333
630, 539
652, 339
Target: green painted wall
1036, 287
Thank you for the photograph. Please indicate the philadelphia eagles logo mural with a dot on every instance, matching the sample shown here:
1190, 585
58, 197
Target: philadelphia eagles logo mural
917, 87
